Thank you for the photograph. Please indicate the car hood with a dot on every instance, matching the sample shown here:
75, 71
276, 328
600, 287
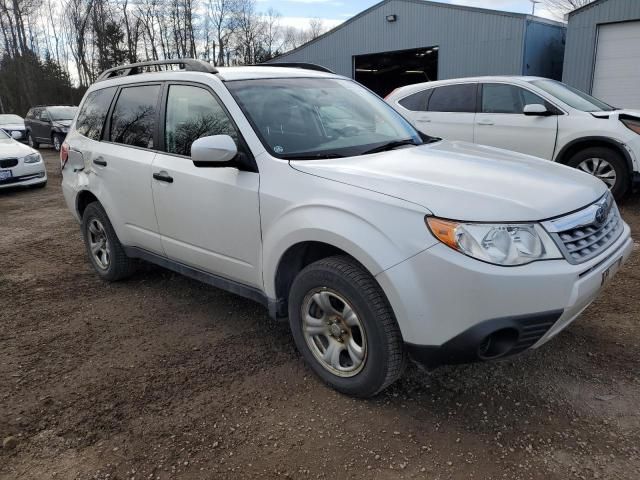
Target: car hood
12, 126
463, 181
13, 149
617, 113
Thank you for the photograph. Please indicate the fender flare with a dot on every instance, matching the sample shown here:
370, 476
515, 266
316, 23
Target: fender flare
614, 143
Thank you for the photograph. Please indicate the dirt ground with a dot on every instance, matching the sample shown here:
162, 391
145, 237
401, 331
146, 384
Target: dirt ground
161, 377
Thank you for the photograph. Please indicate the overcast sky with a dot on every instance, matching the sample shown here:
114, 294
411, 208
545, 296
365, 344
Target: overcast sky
334, 12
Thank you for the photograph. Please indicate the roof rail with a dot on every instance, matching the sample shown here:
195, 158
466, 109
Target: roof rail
188, 64
305, 66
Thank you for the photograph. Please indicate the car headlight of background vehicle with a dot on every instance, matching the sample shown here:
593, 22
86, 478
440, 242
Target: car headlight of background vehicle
32, 158
506, 244
632, 124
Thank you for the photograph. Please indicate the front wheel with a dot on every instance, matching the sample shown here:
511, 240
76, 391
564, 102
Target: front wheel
345, 328
605, 164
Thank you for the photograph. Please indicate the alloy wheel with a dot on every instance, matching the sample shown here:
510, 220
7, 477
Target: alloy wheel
600, 168
99, 244
334, 333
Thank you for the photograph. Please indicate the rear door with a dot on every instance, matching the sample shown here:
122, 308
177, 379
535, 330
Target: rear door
450, 112
501, 122
121, 165
42, 126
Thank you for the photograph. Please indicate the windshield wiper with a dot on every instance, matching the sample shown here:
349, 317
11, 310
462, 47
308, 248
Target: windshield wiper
390, 146
315, 156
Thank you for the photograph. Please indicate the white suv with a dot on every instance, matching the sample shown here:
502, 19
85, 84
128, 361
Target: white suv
303, 191
531, 115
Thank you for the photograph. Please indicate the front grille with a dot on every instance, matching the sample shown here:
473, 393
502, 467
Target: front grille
8, 162
584, 235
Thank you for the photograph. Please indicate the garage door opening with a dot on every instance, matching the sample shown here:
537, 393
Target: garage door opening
384, 72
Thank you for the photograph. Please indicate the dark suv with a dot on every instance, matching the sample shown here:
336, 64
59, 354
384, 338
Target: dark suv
48, 124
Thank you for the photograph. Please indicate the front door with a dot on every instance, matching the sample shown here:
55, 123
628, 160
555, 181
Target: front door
208, 217
501, 122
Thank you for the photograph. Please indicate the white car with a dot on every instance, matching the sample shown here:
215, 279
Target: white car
13, 125
530, 115
20, 165
303, 191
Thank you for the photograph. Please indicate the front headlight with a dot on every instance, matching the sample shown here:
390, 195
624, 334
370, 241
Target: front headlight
506, 244
632, 124
32, 158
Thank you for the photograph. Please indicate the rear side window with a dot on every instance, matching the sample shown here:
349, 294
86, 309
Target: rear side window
416, 102
134, 117
192, 113
454, 98
94, 111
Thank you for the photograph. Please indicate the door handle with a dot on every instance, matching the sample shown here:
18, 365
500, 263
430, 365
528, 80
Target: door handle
485, 122
100, 162
163, 177
425, 120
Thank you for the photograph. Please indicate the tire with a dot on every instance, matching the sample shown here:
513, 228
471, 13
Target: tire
337, 279
97, 230
31, 141
593, 159
56, 141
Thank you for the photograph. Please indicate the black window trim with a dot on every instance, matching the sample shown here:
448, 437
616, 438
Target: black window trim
107, 114
106, 131
249, 164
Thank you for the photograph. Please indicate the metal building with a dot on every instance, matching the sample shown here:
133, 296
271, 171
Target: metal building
602, 54
399, 42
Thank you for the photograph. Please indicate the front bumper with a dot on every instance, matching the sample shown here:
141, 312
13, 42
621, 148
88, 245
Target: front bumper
442, 300
25, 175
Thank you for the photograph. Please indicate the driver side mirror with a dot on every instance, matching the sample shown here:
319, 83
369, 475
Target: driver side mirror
536, 109
16, 135
213, 151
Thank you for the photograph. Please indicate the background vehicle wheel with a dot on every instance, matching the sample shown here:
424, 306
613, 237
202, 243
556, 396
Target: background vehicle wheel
345, 328
57, 142
605, 164
32, 142
103, 247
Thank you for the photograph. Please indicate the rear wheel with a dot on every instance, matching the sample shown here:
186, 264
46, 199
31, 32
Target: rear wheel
103, 247
605, 164
32, 142
57, 141
345, 328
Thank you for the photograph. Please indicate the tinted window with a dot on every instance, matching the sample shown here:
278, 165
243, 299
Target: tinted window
62, 113
192, 113
94, 111
572, 96
454, 98
44, 116
501, 98
416, 102
134, 117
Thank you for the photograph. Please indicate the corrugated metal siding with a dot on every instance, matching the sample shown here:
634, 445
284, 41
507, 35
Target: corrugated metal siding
582, 35
471, 42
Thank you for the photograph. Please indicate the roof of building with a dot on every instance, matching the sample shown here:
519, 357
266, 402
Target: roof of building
423, 3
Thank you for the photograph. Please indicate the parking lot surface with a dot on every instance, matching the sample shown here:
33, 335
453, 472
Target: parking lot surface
162, 377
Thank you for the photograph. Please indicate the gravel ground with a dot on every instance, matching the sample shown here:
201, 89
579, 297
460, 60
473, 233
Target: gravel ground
162, 377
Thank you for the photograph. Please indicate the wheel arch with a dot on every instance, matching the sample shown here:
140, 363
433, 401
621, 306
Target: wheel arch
83, 199
574, 146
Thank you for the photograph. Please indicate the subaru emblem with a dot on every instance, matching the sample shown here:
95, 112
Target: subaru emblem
601, 215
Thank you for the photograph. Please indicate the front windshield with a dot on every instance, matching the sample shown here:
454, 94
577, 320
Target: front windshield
10, 118
308, 118
572, 96
62, 113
